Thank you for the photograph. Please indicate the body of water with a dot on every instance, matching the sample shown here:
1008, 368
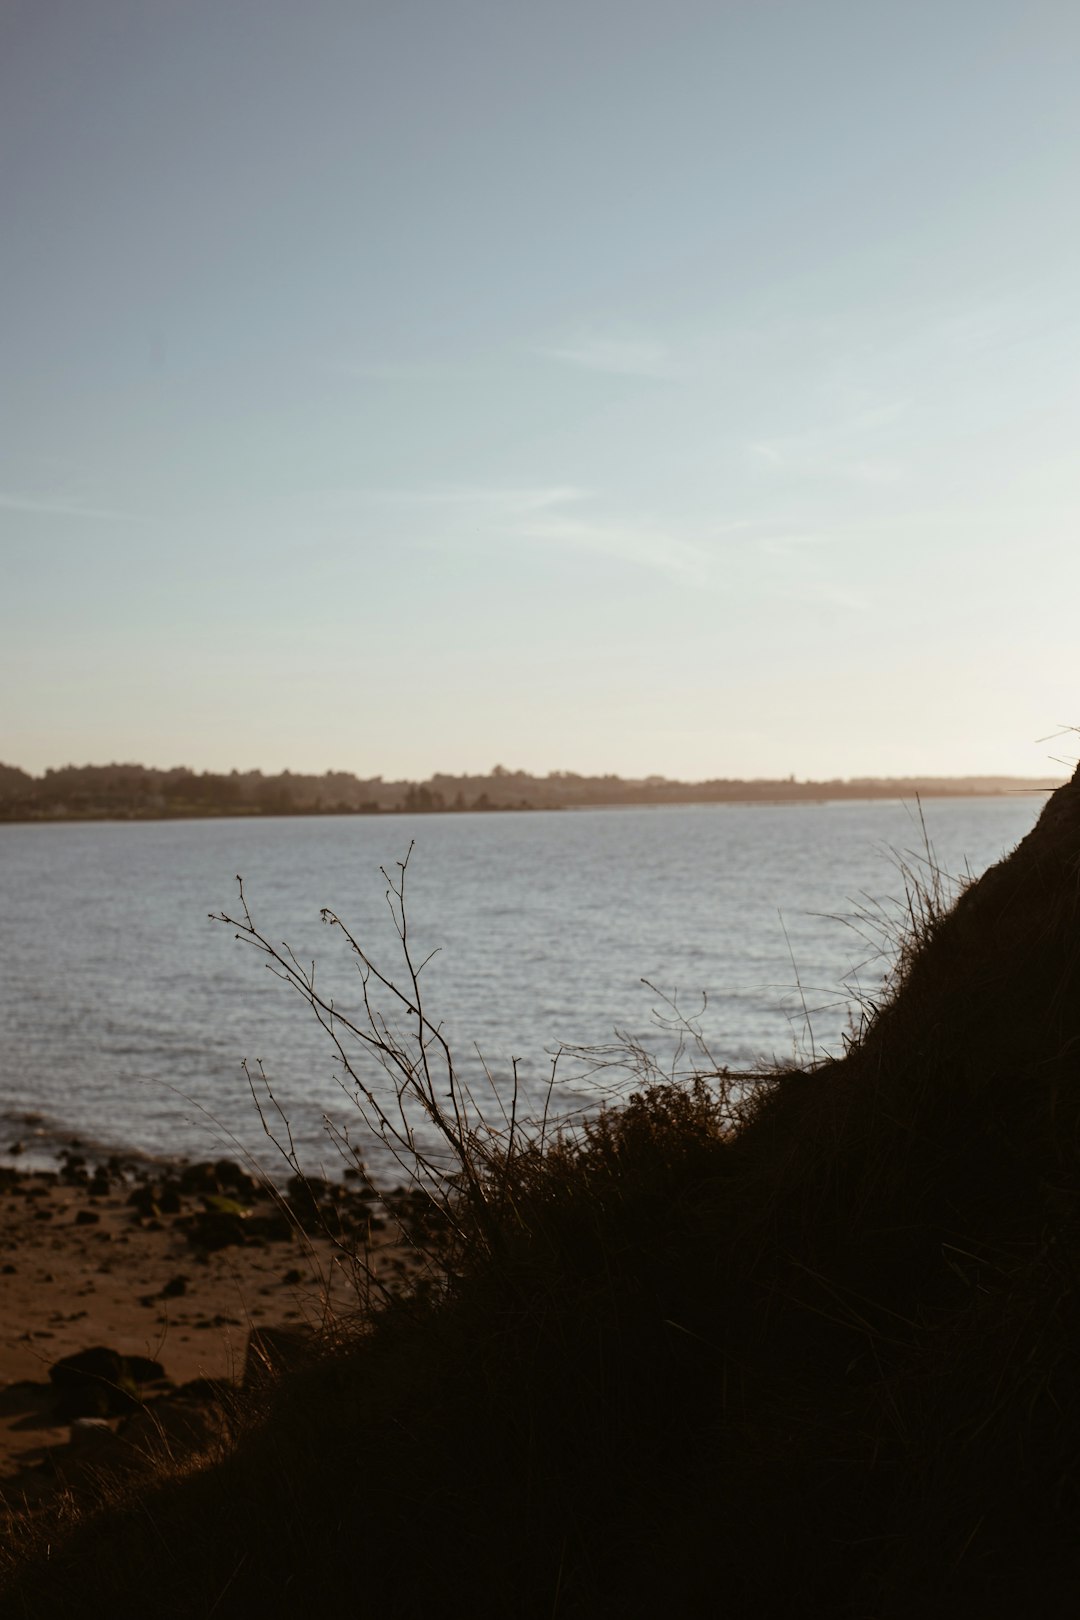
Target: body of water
125, 1012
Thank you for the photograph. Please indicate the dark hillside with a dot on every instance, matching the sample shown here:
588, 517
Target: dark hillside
815, 1351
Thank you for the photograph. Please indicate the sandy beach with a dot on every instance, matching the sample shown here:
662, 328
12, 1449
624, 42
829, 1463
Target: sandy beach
174, 1264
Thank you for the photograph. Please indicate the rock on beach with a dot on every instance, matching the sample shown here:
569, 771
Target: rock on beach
122, 1285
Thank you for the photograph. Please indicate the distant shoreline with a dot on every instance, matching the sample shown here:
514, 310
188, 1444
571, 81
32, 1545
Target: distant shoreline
120, 792
118, 816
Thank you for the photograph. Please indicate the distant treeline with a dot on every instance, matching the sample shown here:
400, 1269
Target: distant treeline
140, 792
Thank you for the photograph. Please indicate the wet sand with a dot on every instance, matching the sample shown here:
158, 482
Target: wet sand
137, 1260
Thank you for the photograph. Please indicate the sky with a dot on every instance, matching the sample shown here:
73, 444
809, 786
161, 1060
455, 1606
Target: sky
403, 386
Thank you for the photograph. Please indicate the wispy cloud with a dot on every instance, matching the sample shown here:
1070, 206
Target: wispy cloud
390, 370
641, 545
619, 355
61, 506
842, 450
561, 515
792, 547
829, 593
805, 572
491, 500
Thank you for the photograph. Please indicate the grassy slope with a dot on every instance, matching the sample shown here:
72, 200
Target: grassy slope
823, 1364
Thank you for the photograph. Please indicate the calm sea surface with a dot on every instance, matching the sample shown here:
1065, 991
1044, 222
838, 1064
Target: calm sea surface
125, 1012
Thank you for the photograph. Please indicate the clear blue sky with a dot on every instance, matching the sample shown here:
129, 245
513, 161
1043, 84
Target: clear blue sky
631, 385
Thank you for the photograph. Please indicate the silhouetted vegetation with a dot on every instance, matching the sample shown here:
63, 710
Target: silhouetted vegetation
802, 1344
140, 793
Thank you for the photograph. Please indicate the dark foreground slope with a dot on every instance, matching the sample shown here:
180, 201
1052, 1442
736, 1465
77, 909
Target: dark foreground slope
827, 1362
